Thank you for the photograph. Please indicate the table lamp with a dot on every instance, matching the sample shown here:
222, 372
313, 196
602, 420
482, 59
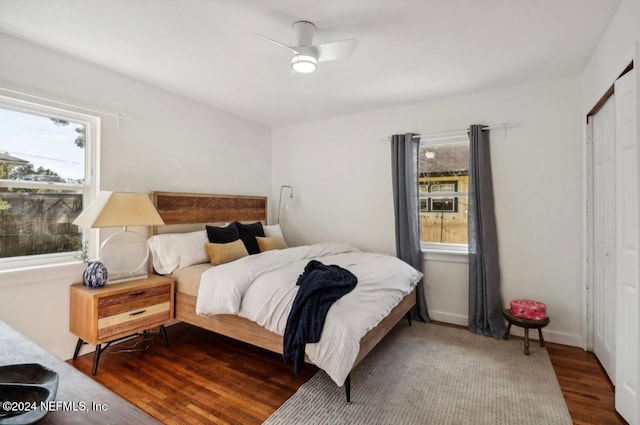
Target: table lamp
124, 253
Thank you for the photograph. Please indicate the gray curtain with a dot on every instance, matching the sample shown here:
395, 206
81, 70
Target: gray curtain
485, 301
404, 167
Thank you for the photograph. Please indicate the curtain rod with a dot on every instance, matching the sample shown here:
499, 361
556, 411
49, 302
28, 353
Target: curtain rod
454, 134
118, 115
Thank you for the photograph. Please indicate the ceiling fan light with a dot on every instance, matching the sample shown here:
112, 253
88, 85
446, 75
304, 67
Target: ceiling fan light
304, 64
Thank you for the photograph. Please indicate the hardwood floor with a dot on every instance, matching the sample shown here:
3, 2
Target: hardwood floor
208, 378
203, 378
585, 386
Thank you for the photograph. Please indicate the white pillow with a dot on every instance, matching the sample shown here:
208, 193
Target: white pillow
165, 253
191, 249
173, 250
273, 230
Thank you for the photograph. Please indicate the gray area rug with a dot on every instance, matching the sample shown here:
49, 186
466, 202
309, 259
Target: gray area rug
431, 374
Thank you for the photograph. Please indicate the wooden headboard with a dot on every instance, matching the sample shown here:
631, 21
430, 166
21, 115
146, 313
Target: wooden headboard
187, 211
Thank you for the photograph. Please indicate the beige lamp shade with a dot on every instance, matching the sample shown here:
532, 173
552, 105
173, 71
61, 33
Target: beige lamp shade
119, 209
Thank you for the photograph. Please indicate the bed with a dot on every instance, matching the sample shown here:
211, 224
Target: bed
188, 213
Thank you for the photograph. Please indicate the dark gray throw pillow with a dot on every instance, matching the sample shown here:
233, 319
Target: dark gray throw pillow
248, 233
225, 234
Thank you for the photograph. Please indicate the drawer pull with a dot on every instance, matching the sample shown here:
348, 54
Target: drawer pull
135, 313
136, 294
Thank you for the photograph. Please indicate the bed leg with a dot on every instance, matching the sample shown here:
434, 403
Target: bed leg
408, 317
347, 388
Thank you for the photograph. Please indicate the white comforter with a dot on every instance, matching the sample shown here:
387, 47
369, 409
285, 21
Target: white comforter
262, 288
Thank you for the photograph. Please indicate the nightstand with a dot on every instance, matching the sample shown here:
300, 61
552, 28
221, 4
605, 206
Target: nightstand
119, 310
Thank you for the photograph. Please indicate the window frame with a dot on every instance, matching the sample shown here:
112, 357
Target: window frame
89, 188
436, 247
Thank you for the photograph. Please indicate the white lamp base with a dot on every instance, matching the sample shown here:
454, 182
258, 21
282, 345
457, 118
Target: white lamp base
125, 256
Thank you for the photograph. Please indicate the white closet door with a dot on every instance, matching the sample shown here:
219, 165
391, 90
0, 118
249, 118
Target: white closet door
604, 238
627, 355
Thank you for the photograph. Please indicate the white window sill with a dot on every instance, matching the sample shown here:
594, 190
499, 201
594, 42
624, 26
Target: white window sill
71, 272
445, 255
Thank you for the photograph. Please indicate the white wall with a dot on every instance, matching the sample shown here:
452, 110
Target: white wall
614, 52
169, 143
340, 169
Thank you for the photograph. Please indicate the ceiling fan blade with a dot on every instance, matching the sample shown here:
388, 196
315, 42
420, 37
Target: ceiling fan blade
277, 43
336, 50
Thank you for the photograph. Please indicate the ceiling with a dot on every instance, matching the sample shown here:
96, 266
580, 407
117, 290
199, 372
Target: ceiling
409, 50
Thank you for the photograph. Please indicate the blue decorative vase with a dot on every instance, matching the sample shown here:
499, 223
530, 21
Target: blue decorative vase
95, 275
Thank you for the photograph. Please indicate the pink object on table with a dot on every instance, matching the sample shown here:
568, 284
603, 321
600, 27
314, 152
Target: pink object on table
529, 309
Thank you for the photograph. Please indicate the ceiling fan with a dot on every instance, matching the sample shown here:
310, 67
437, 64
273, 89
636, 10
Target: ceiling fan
306, 55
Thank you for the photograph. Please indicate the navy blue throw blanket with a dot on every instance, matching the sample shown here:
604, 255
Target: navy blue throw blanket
320, 286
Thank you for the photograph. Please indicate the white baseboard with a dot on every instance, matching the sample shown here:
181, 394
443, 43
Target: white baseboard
66, 352
443, 316
549, 335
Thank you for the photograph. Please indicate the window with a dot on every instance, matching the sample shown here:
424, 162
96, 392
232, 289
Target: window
443, 182
434, 203
47, 156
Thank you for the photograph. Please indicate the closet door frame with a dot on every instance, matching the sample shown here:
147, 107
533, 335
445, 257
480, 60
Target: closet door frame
627, 364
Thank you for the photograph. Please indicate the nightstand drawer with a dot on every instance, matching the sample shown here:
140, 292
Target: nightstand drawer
129, 301
133, 320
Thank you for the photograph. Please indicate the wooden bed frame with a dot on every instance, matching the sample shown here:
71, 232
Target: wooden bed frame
184, 212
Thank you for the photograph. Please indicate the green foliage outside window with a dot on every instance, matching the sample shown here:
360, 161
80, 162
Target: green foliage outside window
38, 220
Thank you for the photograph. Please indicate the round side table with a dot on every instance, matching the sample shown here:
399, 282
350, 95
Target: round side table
526, 324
